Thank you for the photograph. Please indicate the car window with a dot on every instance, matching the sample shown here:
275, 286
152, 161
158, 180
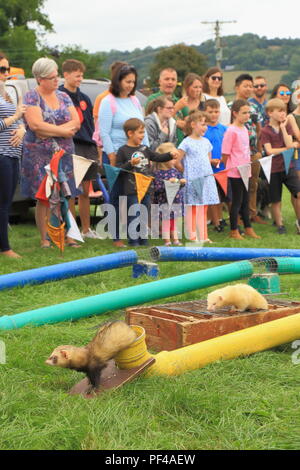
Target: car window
13, 93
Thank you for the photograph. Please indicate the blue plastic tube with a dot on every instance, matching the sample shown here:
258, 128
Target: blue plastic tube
161, 253
67, 270
128, 296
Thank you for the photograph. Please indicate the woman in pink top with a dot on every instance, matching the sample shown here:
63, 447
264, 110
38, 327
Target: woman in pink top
236, 152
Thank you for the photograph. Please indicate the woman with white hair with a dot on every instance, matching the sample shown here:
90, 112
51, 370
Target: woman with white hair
51, 121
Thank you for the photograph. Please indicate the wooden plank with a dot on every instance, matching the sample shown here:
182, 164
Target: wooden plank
111, 377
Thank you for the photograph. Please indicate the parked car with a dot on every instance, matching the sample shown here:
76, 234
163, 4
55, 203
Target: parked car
18, 88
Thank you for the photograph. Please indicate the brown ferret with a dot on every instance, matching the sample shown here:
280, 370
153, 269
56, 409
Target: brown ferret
110, 339
240, 296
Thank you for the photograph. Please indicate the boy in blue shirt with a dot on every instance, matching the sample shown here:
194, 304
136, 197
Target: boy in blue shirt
215, 133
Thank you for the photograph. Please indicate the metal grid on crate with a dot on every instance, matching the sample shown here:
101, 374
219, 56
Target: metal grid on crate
270, 265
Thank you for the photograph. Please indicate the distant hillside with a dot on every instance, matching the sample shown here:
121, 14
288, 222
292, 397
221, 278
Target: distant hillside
272, 76
246, 52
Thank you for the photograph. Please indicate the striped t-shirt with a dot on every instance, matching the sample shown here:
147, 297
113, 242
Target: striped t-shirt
8, 109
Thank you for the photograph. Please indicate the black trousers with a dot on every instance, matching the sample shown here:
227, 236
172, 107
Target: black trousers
239, 204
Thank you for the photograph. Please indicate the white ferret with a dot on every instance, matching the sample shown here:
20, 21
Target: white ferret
240, 296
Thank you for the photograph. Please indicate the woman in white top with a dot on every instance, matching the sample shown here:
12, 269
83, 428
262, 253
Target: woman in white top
213, 89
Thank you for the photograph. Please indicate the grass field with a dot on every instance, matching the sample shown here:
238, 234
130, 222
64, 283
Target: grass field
246, 403
272, 77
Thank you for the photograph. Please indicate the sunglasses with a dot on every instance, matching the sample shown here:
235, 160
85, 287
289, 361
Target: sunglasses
4, 69
282, 93
215, 77
259, 86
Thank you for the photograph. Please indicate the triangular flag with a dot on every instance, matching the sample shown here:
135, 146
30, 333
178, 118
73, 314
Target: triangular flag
266, 164
142, 184
287, 157
296, 155
222, 179
74, 231
245, 172
57, 235
80, 167
171, 190
54, 162
112, 174
41, 192
198, 186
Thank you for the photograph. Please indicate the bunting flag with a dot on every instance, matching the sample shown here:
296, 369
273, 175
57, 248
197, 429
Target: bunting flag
73, 231
171, 190
57, 235
81, 166
245, 172
287, 157
222, 179
54, 162
41, 192
142, 184
266, 164
112, 174
54, 191
198, 186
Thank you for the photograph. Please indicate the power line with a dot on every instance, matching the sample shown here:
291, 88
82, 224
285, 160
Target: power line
218, 44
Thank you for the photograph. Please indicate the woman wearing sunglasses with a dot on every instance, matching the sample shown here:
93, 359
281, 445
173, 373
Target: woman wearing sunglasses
11, 136
283, 92
213, 89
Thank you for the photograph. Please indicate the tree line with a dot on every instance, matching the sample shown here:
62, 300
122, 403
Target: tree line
24, 25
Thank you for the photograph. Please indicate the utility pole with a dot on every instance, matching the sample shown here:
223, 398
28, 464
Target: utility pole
218, 45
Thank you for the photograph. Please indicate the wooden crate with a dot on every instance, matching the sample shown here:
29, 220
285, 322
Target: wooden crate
174, 325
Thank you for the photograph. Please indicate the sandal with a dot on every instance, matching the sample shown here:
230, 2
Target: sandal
177, 243
73, 245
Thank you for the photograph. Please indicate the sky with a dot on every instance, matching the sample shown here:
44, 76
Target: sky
102, 25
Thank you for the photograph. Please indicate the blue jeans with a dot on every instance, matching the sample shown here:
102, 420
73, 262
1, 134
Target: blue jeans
140, 237
9, 174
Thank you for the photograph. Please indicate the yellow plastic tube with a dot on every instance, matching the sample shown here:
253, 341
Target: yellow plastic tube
240, 343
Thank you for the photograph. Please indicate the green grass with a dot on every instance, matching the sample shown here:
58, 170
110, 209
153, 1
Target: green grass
245, 403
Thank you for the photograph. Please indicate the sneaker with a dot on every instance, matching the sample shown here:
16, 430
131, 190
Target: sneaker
219, 228
91, 234
297, 223
281, 230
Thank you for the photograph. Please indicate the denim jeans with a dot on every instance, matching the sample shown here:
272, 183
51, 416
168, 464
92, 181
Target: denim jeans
137, 230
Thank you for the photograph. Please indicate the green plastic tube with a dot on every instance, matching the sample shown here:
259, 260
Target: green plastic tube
129, 296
